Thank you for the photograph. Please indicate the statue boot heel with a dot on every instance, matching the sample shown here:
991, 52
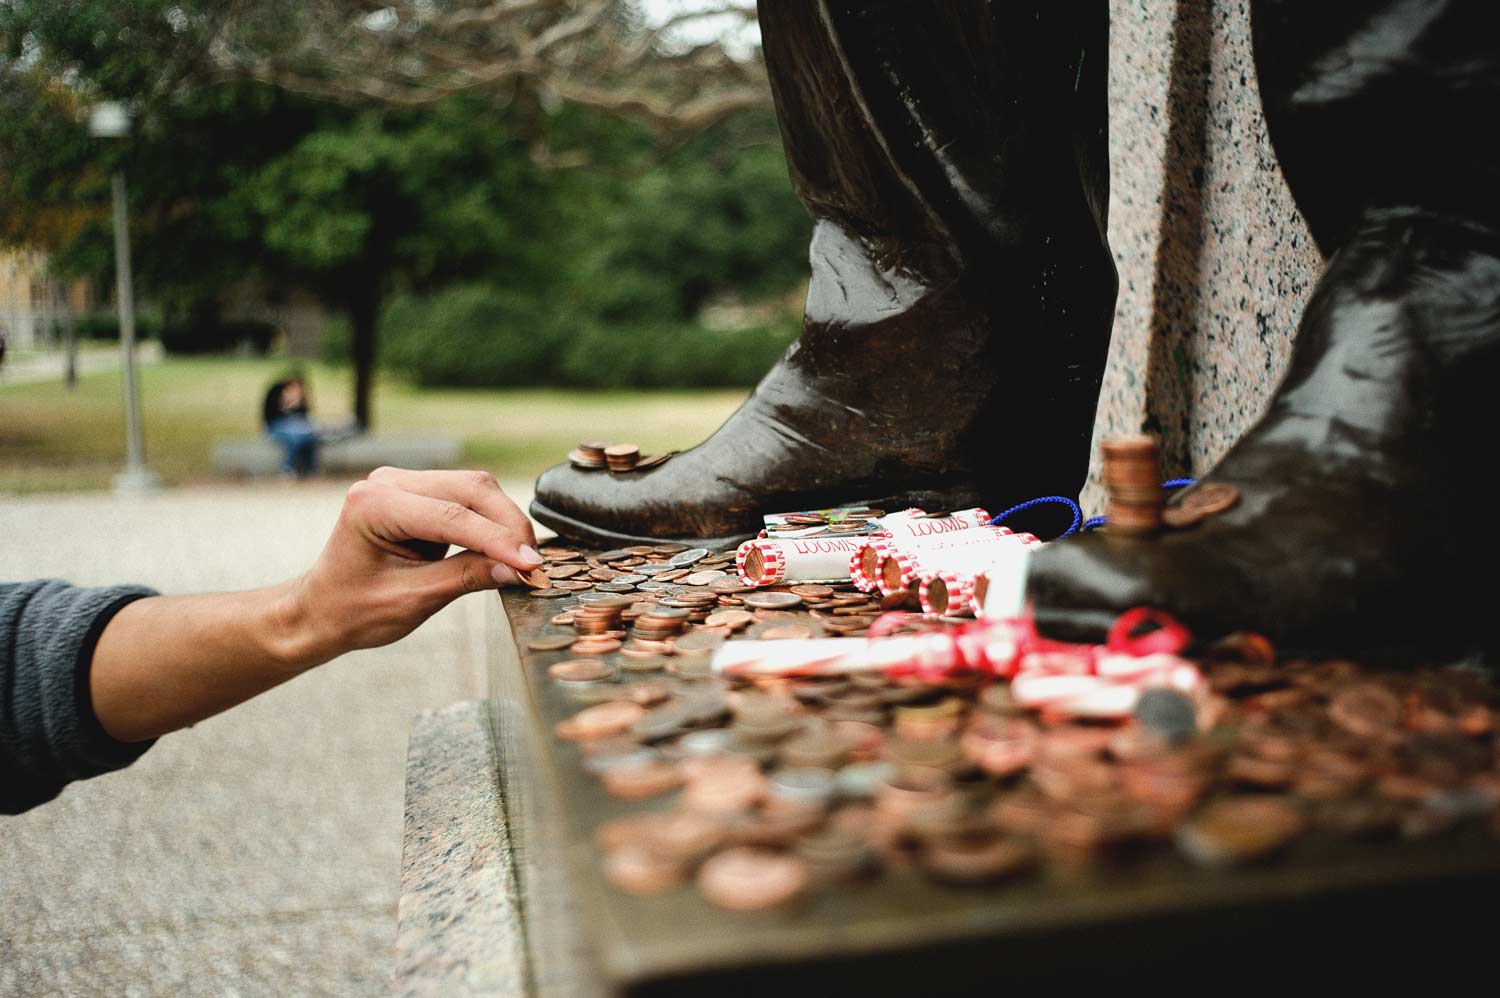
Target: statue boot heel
1349, 534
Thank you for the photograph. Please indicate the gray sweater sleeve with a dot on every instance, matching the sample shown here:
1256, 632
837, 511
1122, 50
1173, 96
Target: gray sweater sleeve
49, 735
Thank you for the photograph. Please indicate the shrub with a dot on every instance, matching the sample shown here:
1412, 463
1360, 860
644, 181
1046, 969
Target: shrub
476, 335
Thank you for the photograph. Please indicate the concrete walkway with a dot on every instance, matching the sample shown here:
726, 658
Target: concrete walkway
23, 367
259, 852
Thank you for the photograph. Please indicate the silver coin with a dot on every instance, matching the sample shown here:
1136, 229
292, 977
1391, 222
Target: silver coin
616, 555
771, 601
628, 579
658, 587
602, 599
689, 557
656, 569
549, 593
666, 613
615, 587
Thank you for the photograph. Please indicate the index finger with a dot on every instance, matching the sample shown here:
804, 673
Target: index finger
477, 490
395, 516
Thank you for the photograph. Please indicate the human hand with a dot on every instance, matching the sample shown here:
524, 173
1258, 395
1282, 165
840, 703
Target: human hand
384, 571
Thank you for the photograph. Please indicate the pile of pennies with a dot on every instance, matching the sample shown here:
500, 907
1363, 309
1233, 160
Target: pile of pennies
1131, 469
595, 455
759, 791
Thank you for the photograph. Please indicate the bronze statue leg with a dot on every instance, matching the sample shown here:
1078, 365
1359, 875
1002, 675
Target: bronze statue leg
953, 158
1350, 536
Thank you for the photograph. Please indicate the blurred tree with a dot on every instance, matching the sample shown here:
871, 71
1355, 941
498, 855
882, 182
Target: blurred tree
233, 177
665, 72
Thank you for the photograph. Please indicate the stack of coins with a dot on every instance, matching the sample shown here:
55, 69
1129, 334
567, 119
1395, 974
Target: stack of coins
589, 455
598, 618
661, 623
1132, 475
622, 457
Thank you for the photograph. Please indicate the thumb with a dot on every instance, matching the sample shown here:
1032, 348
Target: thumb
471, 572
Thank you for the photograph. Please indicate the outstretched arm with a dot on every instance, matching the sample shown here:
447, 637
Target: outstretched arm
164, 662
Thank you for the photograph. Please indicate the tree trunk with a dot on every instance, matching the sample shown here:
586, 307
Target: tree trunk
363, 317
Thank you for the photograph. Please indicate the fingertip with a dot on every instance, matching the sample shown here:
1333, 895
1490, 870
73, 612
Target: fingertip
504, 575
529, 556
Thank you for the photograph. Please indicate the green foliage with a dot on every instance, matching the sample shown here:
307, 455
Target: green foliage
477, 335
497, 268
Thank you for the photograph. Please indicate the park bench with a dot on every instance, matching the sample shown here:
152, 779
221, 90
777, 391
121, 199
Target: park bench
253, 456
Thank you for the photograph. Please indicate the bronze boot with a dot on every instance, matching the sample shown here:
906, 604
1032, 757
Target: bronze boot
954, 161
1349, 536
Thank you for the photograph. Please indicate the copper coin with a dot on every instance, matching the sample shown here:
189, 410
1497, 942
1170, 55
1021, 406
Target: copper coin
596, 645
553, 553
602, 720
701, 640
579, 670
571, 585
557, 643
640, 871
1366, 710
811, 590
562, 571
563, 619
653, 460
728, 586
772, 600
749, 879
732, 619
651, 779
1200, 502
783, 632
1240, 829
704, 577
622, 451
976, 859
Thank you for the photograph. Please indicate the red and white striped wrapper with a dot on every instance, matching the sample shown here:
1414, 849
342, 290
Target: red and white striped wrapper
821, 558
966, 576
957, 593
933, 554
908, 526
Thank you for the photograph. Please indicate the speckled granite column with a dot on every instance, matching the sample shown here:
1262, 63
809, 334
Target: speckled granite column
1215, 262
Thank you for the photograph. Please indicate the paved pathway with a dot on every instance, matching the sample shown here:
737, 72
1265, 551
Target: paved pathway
24, 367
257, 853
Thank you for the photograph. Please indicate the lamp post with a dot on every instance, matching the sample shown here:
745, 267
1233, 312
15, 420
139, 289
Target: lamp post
110, 120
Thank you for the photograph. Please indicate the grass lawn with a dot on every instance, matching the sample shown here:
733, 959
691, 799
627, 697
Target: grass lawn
52, 439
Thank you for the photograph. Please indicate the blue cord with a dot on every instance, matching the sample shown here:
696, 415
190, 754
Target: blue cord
1171, 483
1072, 528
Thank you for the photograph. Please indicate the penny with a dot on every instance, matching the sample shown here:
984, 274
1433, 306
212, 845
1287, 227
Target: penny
976, 859
596, 645
653, 460
1200, 502
614, 555
579, 670
641, 782
700, 640
1240, 829
811, 591
563, 619
635, 661
729, 586
732, 619
750, 879
601, 720
557, 643
668, 549
551, 593
1366, 710
562, 571
782, 632
635, 870
772, 600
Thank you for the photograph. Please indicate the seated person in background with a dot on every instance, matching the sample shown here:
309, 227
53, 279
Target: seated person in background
285, 414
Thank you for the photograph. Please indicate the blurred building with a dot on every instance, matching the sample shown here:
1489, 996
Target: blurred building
34, 307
